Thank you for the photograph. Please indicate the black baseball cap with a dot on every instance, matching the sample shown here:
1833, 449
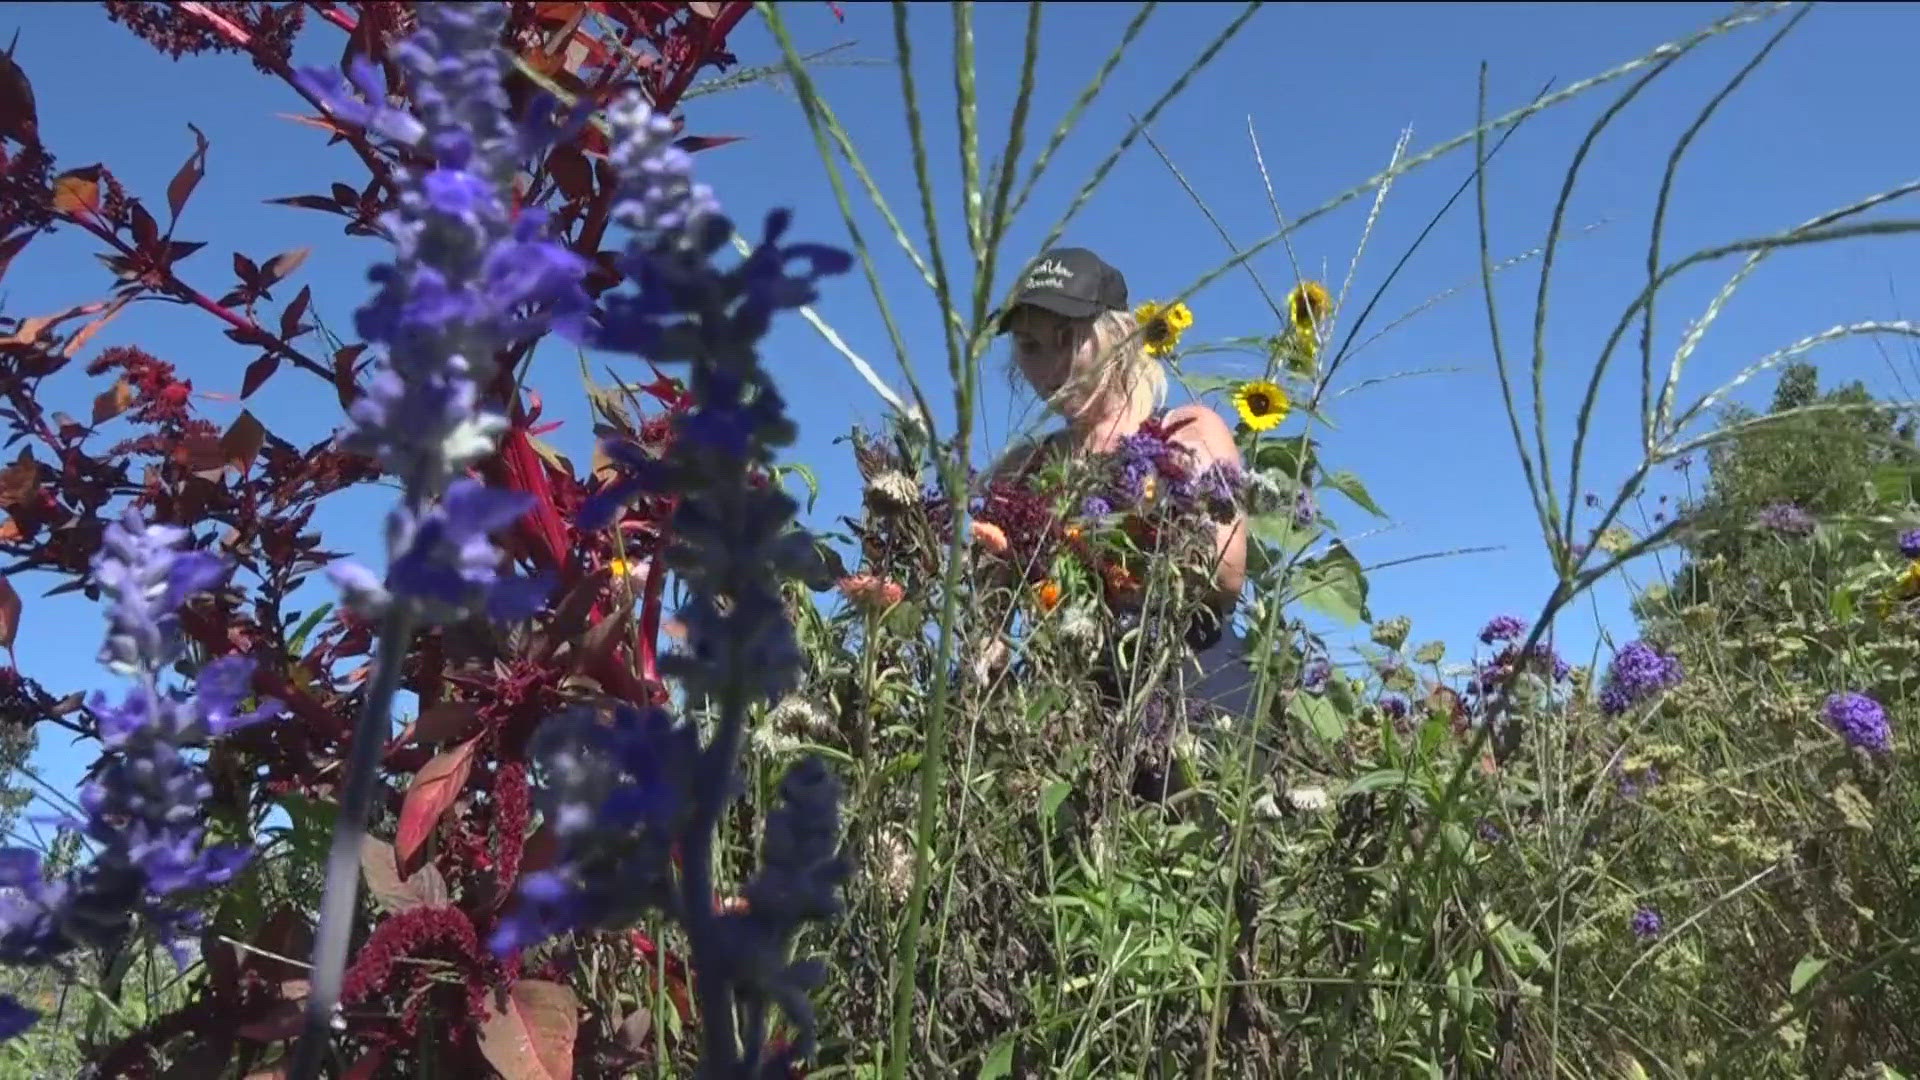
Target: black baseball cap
1072, 282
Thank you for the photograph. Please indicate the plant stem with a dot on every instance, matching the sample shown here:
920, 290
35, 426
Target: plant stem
342, 892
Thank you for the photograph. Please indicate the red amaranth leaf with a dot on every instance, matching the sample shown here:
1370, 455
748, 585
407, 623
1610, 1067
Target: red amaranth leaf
242, 442
531, 1037
112, 401
433, 790
77, 191
9, 614
258, 373
180, 188
392, 891
446, 722
19, 119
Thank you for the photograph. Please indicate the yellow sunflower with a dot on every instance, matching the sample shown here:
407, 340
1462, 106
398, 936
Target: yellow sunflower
1308, 305
1161, 326
1261, 404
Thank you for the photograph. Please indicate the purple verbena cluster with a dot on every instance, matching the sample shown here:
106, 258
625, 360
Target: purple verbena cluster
143, 804
1646, 923
1786, 518
624, 797
1910, 544
1148, 470
1638, 673
1503, 628
1860, 720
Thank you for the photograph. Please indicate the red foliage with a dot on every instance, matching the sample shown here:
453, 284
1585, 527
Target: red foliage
457, 782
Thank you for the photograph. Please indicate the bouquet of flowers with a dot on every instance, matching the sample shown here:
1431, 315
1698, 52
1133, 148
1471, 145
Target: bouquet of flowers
1107, 515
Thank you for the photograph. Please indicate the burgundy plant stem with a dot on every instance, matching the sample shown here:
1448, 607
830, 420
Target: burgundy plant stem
188, 294
221, 25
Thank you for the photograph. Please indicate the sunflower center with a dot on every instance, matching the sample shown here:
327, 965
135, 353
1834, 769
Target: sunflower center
1158, 332
1259, 402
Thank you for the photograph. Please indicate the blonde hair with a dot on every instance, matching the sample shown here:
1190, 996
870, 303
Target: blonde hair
1122, 369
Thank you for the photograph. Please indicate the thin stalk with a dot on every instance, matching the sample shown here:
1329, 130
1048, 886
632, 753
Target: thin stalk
340, 898
933, 753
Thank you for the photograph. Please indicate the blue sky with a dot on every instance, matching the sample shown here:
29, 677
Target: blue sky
1328, 88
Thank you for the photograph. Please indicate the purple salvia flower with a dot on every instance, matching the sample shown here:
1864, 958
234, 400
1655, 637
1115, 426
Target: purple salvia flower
1861, 721
1646, 923
143, 806
1503, 628
1095, 506
623, 798
1393, 707
138, 566
1786, 518
1638, 672
1314, 679
468, 280
1910, 543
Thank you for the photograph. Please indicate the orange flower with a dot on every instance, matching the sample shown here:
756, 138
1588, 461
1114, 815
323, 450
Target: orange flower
871, 592
991, 537
1048, 594
1073, 534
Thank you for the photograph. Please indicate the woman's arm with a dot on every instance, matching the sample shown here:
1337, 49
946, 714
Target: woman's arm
1208, 439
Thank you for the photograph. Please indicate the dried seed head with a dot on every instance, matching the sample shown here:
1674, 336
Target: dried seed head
893, 493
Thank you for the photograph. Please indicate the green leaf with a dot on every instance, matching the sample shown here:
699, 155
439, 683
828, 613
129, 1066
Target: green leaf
1285, 456
1334, 585
1841, 603
1896, 483
1319, 715
807, 476
297, 643
1379, 780
1349, 485
1805, 972
1050, 799
999, 1060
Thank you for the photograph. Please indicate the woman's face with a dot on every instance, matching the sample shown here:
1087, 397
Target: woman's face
1053, 352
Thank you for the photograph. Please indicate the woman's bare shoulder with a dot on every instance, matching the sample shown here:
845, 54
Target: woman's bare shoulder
1201, 427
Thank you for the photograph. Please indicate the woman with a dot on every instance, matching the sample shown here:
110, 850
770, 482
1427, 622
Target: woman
1076, 342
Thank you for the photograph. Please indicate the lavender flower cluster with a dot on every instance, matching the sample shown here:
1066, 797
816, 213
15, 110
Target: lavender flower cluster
143, 804
1638, 673
623, 797
1910, 544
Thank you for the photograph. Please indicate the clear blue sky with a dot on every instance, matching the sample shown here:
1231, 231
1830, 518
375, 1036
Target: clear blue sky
1328, 88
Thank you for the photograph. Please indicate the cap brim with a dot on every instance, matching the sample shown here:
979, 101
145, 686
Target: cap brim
1070, 307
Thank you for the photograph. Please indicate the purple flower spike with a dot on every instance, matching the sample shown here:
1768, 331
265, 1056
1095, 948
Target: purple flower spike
144, 805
